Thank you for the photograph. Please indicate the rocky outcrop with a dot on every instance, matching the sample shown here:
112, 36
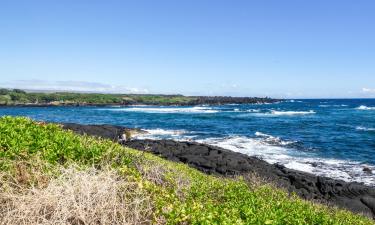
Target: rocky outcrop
105, 131
214, 160
203, 100
219, 100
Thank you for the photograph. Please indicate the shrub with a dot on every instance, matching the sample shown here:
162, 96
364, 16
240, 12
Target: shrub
4, 91
19, 91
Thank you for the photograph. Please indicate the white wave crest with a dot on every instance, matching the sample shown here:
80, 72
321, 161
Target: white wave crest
338, 169
197, 109
273, 140
291, 113
325, 106
159, 133
363, 107
365, 128
292, 100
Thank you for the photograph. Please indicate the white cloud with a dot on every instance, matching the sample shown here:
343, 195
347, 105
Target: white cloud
75, 86
368, 90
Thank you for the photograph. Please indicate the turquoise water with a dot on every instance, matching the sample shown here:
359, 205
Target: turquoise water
334, 138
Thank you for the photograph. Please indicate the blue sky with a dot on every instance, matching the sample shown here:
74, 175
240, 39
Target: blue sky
276, 48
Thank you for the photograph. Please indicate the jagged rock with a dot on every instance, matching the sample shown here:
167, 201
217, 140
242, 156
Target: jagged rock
105, 131
367, 170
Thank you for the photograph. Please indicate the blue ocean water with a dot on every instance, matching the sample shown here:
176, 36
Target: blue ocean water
327, 137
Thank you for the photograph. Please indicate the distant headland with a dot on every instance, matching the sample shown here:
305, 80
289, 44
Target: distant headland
18, 97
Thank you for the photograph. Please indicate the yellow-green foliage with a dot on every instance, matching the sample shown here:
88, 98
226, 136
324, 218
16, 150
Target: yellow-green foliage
180, 194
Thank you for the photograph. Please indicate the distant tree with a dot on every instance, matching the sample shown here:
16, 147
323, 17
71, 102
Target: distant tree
49, 98
33, 98
4, 91
15, 96
19, 91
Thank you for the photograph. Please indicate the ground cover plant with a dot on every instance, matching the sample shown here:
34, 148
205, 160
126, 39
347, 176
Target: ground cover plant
52, 176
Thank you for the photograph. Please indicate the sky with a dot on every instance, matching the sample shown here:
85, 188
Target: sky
288, 49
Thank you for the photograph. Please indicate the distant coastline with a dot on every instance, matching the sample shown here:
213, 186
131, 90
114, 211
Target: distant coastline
18, 97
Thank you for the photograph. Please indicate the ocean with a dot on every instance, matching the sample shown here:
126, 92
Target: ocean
326, 137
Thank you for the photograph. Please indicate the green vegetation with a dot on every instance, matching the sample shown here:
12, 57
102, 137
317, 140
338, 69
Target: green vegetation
16, 96
33, 156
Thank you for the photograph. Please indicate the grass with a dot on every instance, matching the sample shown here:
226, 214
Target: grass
51, 176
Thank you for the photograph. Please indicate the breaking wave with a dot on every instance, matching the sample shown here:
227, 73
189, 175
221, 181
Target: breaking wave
159, 133
363, 107
196, 109
291, 113
365, 128
326, 106
293, 159
269, 139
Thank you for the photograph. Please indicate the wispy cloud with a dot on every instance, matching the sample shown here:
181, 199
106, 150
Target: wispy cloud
74, 86
368, 90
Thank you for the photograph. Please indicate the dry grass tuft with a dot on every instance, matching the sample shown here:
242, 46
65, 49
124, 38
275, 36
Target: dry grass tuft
163, 175
78, 198
24, 173
254, 181
153, 172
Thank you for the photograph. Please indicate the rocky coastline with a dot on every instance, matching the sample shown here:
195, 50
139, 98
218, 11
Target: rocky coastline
190, 101
220, 100
352, 196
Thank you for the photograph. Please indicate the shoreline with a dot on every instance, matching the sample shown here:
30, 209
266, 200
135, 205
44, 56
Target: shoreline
85, 105
356, 197
132, 104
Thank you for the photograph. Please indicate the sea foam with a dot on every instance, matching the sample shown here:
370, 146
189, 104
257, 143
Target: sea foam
293, 159
363, 107
158, 133
364, 128
291, 113
269, 139
196, 109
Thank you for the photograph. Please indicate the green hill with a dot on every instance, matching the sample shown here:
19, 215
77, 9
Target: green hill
20, 97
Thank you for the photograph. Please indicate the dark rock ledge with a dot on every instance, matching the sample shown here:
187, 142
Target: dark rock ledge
353, 196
